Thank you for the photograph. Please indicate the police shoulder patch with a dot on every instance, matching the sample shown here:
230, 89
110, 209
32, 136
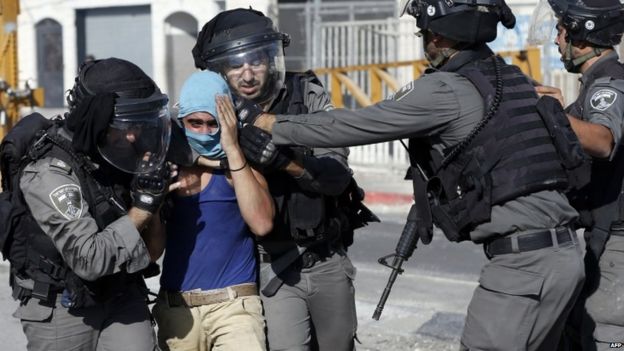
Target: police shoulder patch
603, 99
401, 93
67, 199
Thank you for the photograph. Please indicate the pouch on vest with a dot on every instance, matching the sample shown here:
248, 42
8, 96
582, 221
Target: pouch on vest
438, 211
574, 160
352, 213
306, 214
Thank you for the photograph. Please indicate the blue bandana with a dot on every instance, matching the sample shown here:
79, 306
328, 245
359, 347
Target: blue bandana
198, 95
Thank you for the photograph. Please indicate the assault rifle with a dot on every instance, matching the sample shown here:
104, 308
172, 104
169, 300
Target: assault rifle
404, 250
418, 226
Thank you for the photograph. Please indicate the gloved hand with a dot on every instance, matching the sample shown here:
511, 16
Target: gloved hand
148, 189
260, 151
247, 110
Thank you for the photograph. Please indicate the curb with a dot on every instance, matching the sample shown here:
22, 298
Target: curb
385, 198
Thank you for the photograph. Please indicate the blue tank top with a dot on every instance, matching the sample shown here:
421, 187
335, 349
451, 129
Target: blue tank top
209, 246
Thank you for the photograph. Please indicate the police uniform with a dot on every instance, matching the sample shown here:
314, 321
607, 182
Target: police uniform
601, 101
105, 260
312, 294
524, 294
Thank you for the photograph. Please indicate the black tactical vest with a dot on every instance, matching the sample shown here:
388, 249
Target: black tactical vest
300, 215
510, 156
32, 252
603, 206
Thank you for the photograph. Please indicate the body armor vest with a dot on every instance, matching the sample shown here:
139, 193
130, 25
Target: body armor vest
33, 254
511, 155
602, 204
300, 215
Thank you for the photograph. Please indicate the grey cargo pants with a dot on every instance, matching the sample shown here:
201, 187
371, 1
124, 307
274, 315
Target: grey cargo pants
605, 306
523, 300
314, 304
122, 323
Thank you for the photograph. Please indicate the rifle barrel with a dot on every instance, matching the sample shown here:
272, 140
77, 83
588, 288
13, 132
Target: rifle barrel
396, 270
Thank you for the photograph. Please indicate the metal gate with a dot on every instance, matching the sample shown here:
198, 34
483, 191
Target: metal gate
180, 34
50, 61
339, 34
103, 33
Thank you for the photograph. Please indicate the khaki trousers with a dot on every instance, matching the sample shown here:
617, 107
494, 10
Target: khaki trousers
234, 325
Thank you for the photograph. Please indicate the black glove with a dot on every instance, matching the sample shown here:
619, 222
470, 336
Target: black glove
247, 110
260, 151
148, 189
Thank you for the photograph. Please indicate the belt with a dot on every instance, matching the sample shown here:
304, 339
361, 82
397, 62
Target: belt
617, 229
307, 259
529, 242
264, 258
207, 297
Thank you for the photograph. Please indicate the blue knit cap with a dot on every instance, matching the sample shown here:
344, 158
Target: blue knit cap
199, 91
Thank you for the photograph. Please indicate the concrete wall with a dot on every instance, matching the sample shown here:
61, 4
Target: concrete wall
64, 12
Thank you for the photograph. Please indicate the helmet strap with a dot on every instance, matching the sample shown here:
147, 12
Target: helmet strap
572, 64
441, 58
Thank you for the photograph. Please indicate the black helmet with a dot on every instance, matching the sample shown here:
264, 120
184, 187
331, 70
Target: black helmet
466, 21
600, 22
116, 109
112, 75
239, 36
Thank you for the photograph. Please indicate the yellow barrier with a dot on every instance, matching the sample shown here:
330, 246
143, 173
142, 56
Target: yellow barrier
11, 98
527, 60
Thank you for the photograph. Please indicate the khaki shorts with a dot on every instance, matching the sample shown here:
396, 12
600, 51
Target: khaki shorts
233, 325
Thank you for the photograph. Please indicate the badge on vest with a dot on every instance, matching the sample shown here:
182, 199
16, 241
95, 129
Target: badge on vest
67, 199
603, 99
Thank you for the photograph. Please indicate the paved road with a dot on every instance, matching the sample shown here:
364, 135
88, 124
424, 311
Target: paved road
425, 310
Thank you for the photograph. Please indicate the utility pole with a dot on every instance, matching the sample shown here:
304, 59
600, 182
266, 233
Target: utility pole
11, 97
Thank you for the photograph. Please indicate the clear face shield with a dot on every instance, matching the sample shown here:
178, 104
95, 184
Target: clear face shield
542, 28
256, 72
140, 130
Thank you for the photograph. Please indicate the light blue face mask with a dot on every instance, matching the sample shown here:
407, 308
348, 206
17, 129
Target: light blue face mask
206, 144
198, 95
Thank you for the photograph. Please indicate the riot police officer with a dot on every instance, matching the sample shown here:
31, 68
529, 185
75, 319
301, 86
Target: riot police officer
586, 33
306, 276
92, 187
494, 174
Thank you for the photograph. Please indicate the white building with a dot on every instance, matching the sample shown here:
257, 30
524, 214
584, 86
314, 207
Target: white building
55, 36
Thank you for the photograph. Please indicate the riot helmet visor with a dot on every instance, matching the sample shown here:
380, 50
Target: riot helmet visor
599, 22
256, 72
139, 130
543, 25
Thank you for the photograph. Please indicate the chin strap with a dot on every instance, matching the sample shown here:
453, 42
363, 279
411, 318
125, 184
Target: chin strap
573, 65
441, 58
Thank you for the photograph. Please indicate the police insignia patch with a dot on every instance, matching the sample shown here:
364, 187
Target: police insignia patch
67, 199
406, 89
603, 99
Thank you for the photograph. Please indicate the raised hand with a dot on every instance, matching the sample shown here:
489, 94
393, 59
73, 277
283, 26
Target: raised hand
229, 123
